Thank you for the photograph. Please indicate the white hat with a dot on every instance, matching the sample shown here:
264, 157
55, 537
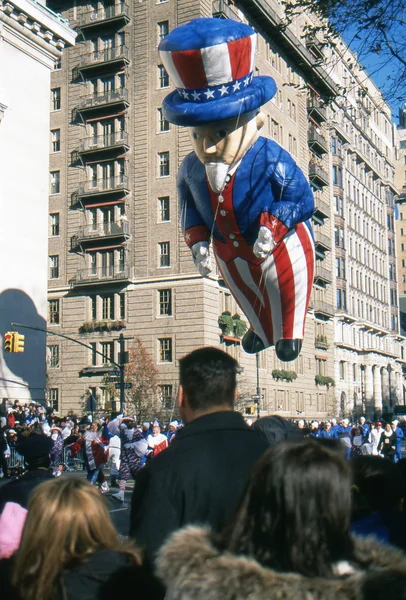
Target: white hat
146, 424
345, 421
315, 424
395, 421
173, 424
333, 421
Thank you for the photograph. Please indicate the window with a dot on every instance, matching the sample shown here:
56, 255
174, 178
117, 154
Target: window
56, 99
341, 299
54, 266
163, 164
337, 175
107, 350
53, 312
53, 354
94, 355
58, 64
163, 124
54, 222
292, 145
163, 30
56, 140
122, 306
163, 77
165, 349
167, 398
108, 307
164, 208
339, 205
53, 398
164, 254
341, 366
165, 302
320, 366
55, 182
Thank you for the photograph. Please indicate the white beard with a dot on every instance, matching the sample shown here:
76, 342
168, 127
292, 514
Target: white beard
216, 174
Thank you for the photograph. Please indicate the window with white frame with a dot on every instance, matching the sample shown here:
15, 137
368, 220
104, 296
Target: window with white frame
56, 140
53, 398
54, 311
163, 124
54, 224
55, 180
163, 30
165, 302
163, 164
54, 266
165, 349
164, 208
107, 350
166, 394
164, 254
56, 99
53, 357
163, 77
107, 306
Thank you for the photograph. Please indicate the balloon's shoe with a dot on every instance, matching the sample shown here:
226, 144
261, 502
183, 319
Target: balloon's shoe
287, 350
252, 343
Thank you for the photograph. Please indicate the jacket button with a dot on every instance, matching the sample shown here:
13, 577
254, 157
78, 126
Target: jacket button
231, 236
236, 244
223, 213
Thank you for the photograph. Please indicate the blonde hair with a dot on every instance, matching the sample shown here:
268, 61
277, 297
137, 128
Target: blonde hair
67, 520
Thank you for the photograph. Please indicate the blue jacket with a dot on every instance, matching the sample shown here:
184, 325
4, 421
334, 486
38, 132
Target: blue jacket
267, 182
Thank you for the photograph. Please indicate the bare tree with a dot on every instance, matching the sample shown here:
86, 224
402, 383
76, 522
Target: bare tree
374, 29
142, 373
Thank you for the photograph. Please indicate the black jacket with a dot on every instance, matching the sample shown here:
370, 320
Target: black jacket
19, 490
198, 479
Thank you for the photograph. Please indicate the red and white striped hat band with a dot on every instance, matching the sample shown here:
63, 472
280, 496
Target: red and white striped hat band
202, 75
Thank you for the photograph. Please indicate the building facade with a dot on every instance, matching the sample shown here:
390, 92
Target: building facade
31, 41
117, 259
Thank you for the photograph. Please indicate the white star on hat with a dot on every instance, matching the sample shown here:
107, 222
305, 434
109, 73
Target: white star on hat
236, 86
209, 94
246, 81
195, 95
223, 90
185, 95
188, 237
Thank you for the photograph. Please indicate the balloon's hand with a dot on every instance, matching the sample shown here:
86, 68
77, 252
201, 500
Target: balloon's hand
264, 244
201, 258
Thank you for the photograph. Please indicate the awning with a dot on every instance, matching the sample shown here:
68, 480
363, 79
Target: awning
105, 203
104, 248
123, 112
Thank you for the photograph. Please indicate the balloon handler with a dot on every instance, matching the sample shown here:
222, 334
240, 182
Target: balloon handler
240, 190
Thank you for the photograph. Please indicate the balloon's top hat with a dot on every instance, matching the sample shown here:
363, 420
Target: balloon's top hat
211, 63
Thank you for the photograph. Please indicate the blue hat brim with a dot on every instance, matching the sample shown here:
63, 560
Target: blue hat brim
178, 111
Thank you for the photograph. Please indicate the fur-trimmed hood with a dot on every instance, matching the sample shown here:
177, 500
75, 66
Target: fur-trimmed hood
192, 568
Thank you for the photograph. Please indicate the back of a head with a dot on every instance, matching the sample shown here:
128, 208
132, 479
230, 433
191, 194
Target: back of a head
295, 513
67, 519
276, 429
209, 378
378, 483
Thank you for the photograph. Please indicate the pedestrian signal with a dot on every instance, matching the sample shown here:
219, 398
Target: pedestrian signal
18, 342
9, 341
250, 410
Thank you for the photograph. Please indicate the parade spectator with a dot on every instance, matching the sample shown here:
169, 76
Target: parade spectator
57, 450
357, 440
171, 430
387, 443
275, 429
4, 452
314, 429
289, 537
344, 435
70, 549
376, 437
157, 440
399, 437
199, 477
365, 427
327, 432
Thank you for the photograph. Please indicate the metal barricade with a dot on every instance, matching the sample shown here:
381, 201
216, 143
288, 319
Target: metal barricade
73, 463
15, 460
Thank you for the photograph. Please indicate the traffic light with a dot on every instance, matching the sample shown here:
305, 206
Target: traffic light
18, 342
250, 410
9, 341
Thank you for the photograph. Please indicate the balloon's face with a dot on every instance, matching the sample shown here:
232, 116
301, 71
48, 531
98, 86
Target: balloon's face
225, 141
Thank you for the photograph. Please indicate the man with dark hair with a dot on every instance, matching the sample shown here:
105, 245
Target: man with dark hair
200, 477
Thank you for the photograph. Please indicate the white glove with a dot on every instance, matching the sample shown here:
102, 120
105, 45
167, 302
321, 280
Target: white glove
264, 244
201, 258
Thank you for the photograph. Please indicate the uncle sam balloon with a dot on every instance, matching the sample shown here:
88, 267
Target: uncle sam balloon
238, 190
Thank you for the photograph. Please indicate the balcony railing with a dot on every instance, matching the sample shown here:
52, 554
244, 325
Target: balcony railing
317, 141
315, 108
324, 308
97, 186
322, 241
120, 138
318, 175
322, 209
120, 273
223, 9
116, 11
322, 274
101, 56
119, 229
100, 98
